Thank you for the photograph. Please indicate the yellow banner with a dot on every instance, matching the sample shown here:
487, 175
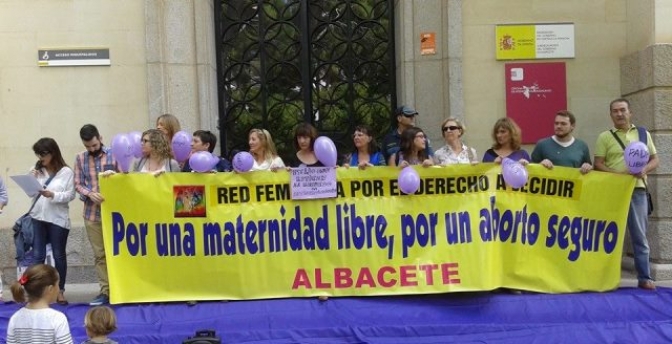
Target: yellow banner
191, 236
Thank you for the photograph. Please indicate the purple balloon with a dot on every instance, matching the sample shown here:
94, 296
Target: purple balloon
214, 160
243, 161
409, 180
636, 156
122, 151
201, 161
136, 143
514, 173
181, 145
325, 151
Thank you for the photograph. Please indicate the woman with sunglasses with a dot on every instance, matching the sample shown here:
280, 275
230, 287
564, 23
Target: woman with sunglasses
455, 151
263, 150
366, 152
412, 149
50, 214
157, 155
507, 138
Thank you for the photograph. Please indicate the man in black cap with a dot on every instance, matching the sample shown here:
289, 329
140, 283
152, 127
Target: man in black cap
404, 118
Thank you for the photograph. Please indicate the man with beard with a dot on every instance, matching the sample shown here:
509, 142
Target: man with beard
563, 149
88, 164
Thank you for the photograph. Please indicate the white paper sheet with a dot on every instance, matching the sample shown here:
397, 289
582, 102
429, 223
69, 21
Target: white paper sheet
28, 183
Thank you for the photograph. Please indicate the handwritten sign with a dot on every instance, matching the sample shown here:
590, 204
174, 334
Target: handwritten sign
313, 182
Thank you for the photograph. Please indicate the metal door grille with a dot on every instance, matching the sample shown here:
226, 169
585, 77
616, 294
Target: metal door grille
283, 62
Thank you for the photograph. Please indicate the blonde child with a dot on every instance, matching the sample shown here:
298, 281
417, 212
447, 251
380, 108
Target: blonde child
36, 322
99, 322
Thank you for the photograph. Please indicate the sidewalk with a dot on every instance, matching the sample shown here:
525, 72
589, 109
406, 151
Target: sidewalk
85, 292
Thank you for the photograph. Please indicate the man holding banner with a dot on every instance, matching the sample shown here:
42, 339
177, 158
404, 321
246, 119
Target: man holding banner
609, 157
563, 149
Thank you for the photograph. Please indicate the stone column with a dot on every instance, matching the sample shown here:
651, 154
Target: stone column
646, 80
181, 62
430, 83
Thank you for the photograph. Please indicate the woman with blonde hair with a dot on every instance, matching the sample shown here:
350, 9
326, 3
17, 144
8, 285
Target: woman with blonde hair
157, 156
507, 138
455, 151
168, 125
263, 150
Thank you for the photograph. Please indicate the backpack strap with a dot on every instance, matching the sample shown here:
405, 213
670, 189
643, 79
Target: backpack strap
641, 131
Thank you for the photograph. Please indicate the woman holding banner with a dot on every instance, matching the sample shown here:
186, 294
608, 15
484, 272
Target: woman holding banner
263, 150
455, 151
50, 213
366, 152
412, 149
304, 141
157, 156
507, 138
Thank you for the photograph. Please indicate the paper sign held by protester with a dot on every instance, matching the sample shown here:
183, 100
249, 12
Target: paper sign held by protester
313, 182
28, 183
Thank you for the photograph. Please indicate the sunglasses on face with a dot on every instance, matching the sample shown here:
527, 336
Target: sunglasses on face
452, 127
42, 154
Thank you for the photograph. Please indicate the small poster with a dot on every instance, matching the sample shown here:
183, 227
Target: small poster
313, 182
189, 201
427, 43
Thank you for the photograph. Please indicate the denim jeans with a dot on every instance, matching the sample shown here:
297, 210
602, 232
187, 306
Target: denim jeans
637, 223
46, 232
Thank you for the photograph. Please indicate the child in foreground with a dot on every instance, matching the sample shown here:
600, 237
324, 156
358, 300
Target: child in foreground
36, 322
99, 322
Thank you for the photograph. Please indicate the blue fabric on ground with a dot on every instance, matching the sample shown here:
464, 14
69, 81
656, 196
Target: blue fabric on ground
626, 315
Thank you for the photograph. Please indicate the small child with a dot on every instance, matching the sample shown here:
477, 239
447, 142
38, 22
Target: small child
36, 322
99, 322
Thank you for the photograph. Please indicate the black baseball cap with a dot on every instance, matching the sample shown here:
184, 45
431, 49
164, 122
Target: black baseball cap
406, 111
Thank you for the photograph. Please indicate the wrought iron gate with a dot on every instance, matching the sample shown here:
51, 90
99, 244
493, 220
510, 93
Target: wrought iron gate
283, 62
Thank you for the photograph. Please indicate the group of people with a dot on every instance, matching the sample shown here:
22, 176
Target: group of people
405, 145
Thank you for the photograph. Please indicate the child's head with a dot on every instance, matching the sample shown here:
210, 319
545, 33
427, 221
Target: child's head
100, 321
39, 281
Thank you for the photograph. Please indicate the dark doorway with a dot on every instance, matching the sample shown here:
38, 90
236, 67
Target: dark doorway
283, 62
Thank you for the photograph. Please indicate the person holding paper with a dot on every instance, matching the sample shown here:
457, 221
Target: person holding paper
3, 195
304, 141
51, 220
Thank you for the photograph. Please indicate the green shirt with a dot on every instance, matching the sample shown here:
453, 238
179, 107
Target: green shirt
573, 155
608, 148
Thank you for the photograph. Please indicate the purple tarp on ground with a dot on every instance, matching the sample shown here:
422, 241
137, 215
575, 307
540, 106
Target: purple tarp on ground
626, 315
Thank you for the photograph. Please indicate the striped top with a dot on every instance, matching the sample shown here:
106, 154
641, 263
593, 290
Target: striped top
38, 326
